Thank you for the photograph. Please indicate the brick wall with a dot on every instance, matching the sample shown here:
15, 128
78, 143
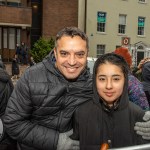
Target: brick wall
15, 15
58, 14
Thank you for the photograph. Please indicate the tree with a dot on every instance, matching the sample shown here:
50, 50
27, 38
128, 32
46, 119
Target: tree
41, 48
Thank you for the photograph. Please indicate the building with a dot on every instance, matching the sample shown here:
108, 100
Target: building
111, 24
15, 24
108, 24
28, 20
49, 16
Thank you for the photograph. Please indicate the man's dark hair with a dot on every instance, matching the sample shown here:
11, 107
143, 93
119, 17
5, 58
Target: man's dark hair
72, 32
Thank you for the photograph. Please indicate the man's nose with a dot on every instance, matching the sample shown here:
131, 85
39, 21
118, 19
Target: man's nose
72, 60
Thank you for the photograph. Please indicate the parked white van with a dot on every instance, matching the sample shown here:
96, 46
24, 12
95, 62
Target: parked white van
90, 63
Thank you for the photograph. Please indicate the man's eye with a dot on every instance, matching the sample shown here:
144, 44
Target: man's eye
63, 54
80, 54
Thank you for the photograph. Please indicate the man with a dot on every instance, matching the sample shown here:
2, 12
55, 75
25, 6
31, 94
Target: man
45, 97
39, 111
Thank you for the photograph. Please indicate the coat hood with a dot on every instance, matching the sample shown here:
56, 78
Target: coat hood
146, 76
121, 103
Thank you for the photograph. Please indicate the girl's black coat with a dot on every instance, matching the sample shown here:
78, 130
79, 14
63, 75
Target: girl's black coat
95, 124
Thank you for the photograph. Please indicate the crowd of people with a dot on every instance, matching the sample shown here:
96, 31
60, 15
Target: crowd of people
58, 105
22, 53
21, 57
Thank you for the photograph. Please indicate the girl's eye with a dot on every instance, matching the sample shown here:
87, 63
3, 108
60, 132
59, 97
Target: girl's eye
116, 79
101, 79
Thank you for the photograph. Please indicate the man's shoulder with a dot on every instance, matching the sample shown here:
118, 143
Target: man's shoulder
37, 67
36, 72
4, 76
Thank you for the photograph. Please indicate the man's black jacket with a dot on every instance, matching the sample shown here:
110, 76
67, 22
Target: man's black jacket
42, 104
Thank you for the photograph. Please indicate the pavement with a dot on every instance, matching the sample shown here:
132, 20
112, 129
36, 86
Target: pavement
22, 68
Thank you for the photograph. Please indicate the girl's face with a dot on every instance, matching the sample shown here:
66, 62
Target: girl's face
109, 82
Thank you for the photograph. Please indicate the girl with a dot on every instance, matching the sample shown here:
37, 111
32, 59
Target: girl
110, 117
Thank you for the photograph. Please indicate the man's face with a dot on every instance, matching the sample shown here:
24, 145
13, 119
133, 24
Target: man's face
71, 56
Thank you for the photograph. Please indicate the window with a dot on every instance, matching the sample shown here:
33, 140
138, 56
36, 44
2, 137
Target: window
101, 21
0, 38
141, 23
11, 38
18, 36
100, 50
2, 2
14, 2
122, 24
142, 1
117, 46
5, 38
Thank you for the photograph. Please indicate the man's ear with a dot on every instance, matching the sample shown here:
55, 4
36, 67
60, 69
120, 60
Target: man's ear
55, 52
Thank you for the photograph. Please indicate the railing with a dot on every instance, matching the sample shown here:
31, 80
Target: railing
137, 147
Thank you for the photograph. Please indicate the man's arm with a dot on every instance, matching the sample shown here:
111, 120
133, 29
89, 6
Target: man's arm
17, 120
143, 128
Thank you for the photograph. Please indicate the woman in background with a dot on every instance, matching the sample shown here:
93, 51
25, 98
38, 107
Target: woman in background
135, 88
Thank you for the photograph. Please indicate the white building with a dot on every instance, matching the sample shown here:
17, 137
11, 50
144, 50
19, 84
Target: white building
111, 24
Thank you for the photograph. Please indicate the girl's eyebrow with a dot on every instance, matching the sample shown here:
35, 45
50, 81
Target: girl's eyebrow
114, 75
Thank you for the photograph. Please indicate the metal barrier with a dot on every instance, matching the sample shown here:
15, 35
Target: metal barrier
137, 147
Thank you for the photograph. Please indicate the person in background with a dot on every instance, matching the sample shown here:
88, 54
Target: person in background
32, 62
2, 65
18, 53
137, 71
24, 53
39, 111
135, 88
109, 117
15, 68
6, 88
146, 79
